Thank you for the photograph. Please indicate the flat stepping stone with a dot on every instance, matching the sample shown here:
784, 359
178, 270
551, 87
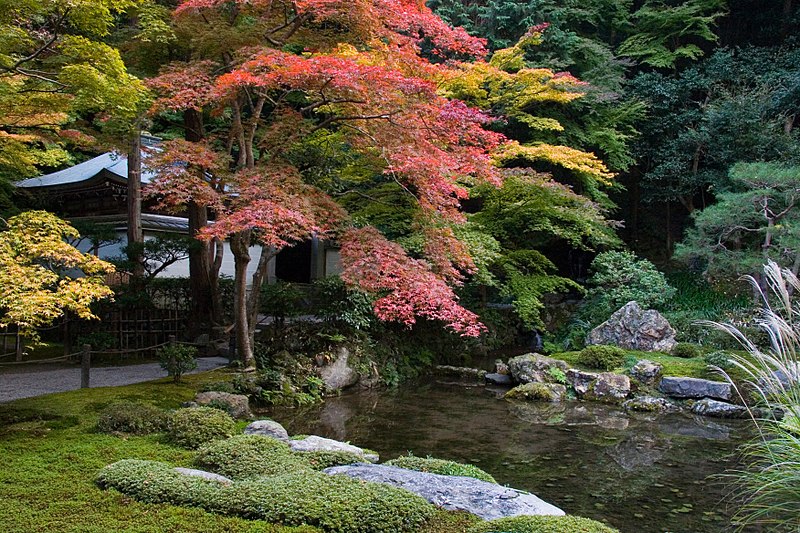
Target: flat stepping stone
682, 387
454, 493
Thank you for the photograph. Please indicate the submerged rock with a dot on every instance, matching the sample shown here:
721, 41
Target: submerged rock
313, 443
580, 380
609, 387
339, 374
538, 392
535, 368
210, 476
649, 404
647, 372
633, 328
237, 405
267, 428
717, 409
454, 493
682, 387
461, 372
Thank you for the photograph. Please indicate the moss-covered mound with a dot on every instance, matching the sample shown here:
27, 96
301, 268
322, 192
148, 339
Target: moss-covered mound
131, 417
332, 503
538, 392
441, 466
542, 524
193, 427
248, 456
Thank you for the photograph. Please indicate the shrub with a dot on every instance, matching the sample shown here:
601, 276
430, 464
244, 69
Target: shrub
177, 359
196, 426
332, 503
219, 386
131, 417
542, 524
686, 350
322, 459
602, 357
247, 456
719, 359
440, 466
154, 482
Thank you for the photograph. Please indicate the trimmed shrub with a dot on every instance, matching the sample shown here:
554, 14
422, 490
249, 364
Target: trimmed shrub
602, 357
332, 503
719, 359
195, 426
248, 456
131, 417
686, 350
322, 459
154, 482
542, 524
440, 466
177, 359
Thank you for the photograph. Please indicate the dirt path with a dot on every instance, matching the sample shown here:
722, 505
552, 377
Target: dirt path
29, 382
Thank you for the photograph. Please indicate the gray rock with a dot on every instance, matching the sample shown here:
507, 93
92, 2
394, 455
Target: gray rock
580, 380
717, 409
534, 368
498, 379
237, 405
339, 374
500, 367
455, 493
647, 372
633, 328
538, 392
464, 372
681, 387
313, 443
649, 404
267, 428
210, 476
609, 388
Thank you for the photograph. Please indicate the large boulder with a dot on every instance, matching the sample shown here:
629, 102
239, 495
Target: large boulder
633, 328
717, 409
455, 493
237, 405
313, 443
647, 372
535, 368
339, 374
538, 392
609, 388
267, 428
580, 380
681, 387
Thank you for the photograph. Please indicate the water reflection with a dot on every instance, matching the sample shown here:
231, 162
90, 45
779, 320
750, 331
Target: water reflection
640, 472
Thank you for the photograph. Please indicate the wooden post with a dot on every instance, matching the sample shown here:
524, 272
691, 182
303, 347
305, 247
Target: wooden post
173, 364
86, 363
18, 346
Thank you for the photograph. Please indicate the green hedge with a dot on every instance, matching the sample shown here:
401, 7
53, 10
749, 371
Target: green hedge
248, 456
440, 466
332, 503
196, 426
602, 357
542, 524
131, 417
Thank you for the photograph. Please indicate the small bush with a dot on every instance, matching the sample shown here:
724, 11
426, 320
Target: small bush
219, 386
322, 459
130, 417
154, 482
196, 426
719, 359
602, 357
440, 466
177, 359
686, 350
248, 456
542, 524
333, 503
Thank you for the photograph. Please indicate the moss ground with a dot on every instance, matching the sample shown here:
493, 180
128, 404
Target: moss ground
52, 454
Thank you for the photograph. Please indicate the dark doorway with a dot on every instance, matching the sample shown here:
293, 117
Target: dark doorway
294, 264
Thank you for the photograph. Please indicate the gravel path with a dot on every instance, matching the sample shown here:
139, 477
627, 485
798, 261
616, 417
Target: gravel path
26, 383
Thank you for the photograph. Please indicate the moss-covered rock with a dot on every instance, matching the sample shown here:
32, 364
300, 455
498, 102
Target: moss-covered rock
195, 426
440, 466
538, 392
248, 456
542, 524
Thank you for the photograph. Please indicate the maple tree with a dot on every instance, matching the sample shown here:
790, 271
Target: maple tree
35, 259
382, 102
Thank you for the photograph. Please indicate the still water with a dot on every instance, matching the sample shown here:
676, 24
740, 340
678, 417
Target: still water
637, 472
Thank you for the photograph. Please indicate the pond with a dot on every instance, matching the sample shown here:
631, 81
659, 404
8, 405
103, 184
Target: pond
639, 472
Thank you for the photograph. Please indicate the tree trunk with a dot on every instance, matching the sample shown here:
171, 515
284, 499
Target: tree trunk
240, 243
135, 236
